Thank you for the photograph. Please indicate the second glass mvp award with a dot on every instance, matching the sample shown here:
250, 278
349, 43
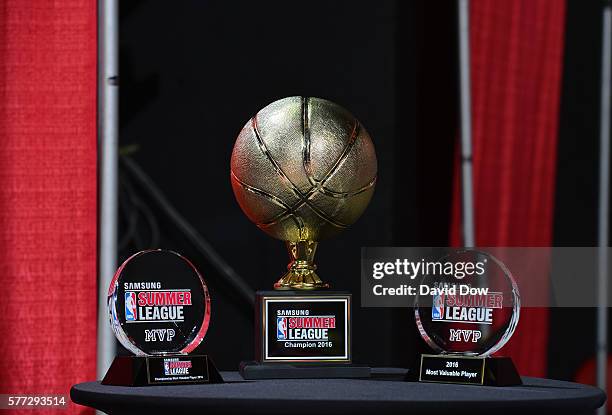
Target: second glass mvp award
469, 316
303, 169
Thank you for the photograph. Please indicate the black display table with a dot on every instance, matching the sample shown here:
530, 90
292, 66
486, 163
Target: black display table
383, 393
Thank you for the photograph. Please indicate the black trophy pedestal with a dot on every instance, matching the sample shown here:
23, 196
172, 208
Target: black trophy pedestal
255, 370
302, 334
489, 371
161, 370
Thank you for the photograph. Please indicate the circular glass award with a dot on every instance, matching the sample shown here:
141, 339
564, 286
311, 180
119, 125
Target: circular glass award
158, 304
471, 305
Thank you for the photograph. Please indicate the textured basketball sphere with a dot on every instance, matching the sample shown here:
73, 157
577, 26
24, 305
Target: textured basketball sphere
303, 169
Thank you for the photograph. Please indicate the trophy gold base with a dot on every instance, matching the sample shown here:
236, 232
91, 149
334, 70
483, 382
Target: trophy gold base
467, 370
301, 273
161, 370
300, 280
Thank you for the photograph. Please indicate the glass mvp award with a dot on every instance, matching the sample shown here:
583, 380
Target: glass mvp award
159, 310
466, 317
303, 169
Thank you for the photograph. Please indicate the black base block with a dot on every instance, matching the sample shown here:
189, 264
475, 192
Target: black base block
490, 371
255, 370
303, 326
161, 370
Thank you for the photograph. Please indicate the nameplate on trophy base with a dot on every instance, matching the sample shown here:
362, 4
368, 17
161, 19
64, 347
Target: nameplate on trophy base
303, 326
161, 370
302, 334
467, 370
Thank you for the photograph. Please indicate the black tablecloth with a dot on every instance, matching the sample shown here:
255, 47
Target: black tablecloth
384, 393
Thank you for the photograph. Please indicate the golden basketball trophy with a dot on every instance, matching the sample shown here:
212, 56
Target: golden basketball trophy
303, 169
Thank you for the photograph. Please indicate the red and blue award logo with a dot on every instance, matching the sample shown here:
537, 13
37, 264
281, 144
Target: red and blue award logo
281, 328
130, 306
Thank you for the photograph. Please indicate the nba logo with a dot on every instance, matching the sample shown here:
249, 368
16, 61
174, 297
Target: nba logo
437, 308
130, 306
281, 328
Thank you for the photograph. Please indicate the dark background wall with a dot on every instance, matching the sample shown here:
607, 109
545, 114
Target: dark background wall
193, 72
577, 176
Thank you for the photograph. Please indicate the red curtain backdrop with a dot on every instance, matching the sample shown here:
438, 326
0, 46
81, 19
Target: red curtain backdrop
516, 57
47, 195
